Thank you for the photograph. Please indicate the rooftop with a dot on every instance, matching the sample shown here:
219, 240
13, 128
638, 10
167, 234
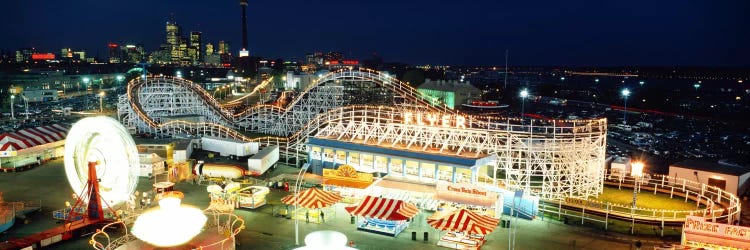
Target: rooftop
711, 167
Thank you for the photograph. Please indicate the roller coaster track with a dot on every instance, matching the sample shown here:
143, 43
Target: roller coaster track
292, 117
562, 157
135, 85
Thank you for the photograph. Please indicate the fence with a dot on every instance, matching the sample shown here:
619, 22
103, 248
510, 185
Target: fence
719, 205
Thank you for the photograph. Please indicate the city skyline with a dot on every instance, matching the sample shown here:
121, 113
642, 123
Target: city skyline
611, 34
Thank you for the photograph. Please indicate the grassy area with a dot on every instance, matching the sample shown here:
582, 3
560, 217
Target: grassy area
645, 199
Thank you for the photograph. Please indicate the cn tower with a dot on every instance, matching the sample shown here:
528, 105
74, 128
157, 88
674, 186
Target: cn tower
243, 3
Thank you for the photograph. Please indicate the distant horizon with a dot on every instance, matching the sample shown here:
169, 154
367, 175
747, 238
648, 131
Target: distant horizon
414, 32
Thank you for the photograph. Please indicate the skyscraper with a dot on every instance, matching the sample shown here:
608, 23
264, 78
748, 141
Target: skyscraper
223, 47
243, 3
195, 47
209, 49
174, 39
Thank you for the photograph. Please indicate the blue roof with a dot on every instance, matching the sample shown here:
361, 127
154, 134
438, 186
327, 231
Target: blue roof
450, 159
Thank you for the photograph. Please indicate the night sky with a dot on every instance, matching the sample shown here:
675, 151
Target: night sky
468, 32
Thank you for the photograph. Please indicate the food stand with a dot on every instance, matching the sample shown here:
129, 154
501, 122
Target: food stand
383, 216
466, 229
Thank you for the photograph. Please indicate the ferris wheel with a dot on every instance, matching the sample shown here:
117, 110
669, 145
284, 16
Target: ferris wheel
105, 141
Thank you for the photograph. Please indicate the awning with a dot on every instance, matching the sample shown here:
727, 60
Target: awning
406, 186
465, 199
465, 221
384, 209
313, 198
346, 183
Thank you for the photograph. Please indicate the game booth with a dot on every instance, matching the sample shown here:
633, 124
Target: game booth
349, 183
383, 216
313, 205
465, 229
697, 233
225, 193
480, 200
252, 197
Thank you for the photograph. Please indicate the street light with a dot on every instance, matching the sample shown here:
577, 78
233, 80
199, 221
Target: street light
86, 83
12, 113
625, 93
297, 185
524, 94
101, 96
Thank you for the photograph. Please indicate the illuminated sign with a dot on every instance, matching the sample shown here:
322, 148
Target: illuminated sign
699, 225
8, 153
342, 62
434, 119
465, 189
43, 56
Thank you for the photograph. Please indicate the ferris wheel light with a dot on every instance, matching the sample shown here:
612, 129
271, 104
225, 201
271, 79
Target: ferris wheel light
105, 141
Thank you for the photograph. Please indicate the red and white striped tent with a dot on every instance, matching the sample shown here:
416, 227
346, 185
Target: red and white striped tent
313, 198
465, 221
384, 209
31, 137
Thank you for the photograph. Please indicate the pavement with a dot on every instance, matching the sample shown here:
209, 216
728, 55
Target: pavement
266, 231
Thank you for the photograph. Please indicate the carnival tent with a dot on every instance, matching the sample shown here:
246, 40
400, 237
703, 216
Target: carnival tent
465, 221
30, 137
384, 209
313, 198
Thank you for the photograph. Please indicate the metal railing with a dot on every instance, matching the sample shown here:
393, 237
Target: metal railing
711, 202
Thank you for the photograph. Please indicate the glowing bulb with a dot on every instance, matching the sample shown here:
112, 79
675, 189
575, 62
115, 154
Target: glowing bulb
169, 225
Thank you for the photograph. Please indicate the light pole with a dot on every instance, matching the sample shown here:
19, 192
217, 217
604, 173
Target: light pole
636, 171
26, 105
12, 113
625, 93
101, 96
296, 201
524, 94
86, 83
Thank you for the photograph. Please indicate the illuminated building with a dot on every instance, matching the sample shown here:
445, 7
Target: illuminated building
730, 178
114, 53
451, 92
175, 41
333, 56
223, 47
194, 51
209, 49
80, 55
132, 53
24, 55
66, 53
